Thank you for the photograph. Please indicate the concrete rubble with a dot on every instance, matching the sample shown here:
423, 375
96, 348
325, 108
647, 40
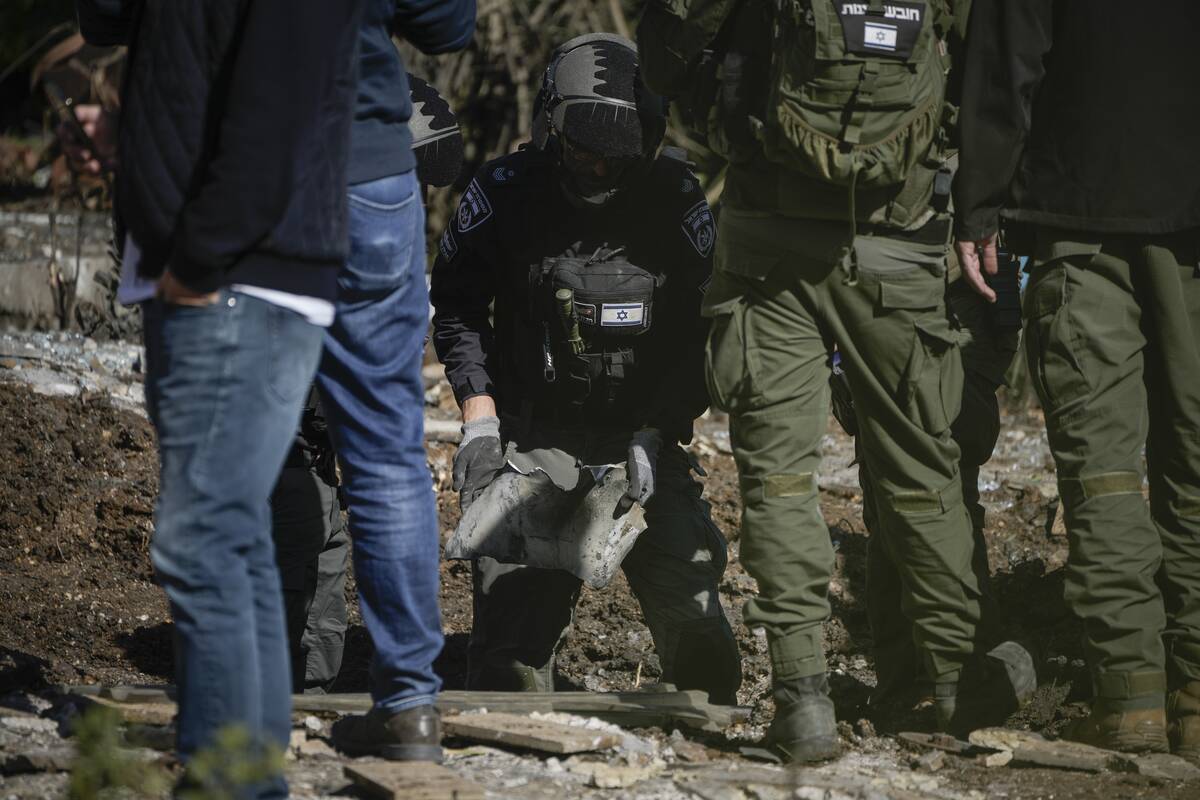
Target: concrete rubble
650, 764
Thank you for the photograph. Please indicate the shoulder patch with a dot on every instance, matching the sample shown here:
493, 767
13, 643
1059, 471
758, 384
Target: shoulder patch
688, 186
447, 246
699, 228
474, 208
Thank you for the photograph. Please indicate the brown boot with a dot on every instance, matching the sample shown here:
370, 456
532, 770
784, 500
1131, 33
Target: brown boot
1138, 730
1183, 711
414, 734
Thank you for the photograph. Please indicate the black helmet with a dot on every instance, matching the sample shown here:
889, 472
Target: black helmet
596, 114
437, 141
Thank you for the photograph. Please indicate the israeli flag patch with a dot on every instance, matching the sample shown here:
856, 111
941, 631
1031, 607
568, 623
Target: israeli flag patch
620, 315
878, 36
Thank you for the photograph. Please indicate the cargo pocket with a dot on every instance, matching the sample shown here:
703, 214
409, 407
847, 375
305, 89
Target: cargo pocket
934, 380
932, 384
1051, 349
728, 366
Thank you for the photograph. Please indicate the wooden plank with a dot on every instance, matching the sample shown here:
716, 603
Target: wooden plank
939, 741
665, 710
412, 780
1030, 748
629, 709
162, 713
521, 731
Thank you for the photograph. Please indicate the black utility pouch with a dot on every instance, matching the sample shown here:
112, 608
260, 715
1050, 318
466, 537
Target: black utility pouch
612, 297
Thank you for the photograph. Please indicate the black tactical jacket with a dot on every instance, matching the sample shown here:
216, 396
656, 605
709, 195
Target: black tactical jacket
1080, 114
513, 216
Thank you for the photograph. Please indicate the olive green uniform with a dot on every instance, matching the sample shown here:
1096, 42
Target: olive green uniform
522, 614
786, 288
1113, 341
988, 349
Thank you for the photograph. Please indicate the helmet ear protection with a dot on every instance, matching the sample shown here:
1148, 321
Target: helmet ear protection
549, 108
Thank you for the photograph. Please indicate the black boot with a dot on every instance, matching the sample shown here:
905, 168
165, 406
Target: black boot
414, 734
989, 690
804, 728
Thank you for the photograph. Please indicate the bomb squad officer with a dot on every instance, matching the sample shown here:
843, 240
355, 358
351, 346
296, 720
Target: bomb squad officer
595, 252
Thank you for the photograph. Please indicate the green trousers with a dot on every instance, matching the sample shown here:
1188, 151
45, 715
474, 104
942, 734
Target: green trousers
784, 291
987, 351
522, 614
1113, 341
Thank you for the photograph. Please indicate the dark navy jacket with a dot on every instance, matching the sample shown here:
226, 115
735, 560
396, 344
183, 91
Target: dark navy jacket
380, 141
234, 136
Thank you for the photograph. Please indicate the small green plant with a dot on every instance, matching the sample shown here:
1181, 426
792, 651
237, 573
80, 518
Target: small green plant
219, 772
103, 764
234, 761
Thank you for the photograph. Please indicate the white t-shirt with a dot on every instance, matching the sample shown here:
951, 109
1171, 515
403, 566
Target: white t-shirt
135, 289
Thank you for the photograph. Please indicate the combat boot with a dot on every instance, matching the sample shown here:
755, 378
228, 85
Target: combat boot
989, 690
804, 728
1183, 714
1129, 730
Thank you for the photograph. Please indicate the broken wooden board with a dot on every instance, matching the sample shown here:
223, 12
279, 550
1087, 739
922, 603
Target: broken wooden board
1166, 767
666, 710
159, 713
1030, 748
629, 709
517, 730
412, 780
939, 741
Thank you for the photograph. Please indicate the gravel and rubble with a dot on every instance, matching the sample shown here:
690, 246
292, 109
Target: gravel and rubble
80, 606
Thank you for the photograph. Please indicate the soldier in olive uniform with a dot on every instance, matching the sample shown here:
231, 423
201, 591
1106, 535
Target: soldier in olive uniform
833, 231
1079, 122
616, 377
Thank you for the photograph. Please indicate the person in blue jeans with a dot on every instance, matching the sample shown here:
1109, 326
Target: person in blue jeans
370, 382
230, 198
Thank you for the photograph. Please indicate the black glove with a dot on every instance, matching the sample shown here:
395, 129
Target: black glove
641, 466
480, 458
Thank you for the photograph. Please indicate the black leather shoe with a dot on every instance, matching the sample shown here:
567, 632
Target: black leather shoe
414, 734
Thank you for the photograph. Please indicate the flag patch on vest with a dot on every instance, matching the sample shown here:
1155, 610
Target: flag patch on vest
447, 246
473, 209
699, 228
618, 315
890, 31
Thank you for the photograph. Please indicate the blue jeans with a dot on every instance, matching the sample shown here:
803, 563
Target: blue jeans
225, 385
370, 380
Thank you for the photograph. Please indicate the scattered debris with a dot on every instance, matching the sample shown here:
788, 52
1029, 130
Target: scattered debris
1030, 748
316, 748
1001, 758
42, 759
613, 776
518, 730
412, 780
931, 761
1166, 767
25, 724
687, 750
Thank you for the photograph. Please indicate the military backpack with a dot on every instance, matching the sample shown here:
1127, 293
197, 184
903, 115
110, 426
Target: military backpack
848, 93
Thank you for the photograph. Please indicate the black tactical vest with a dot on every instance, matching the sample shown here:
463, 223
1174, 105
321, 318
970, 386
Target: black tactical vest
589, 311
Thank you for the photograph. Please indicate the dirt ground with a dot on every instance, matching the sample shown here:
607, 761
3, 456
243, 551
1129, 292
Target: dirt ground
79, 605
